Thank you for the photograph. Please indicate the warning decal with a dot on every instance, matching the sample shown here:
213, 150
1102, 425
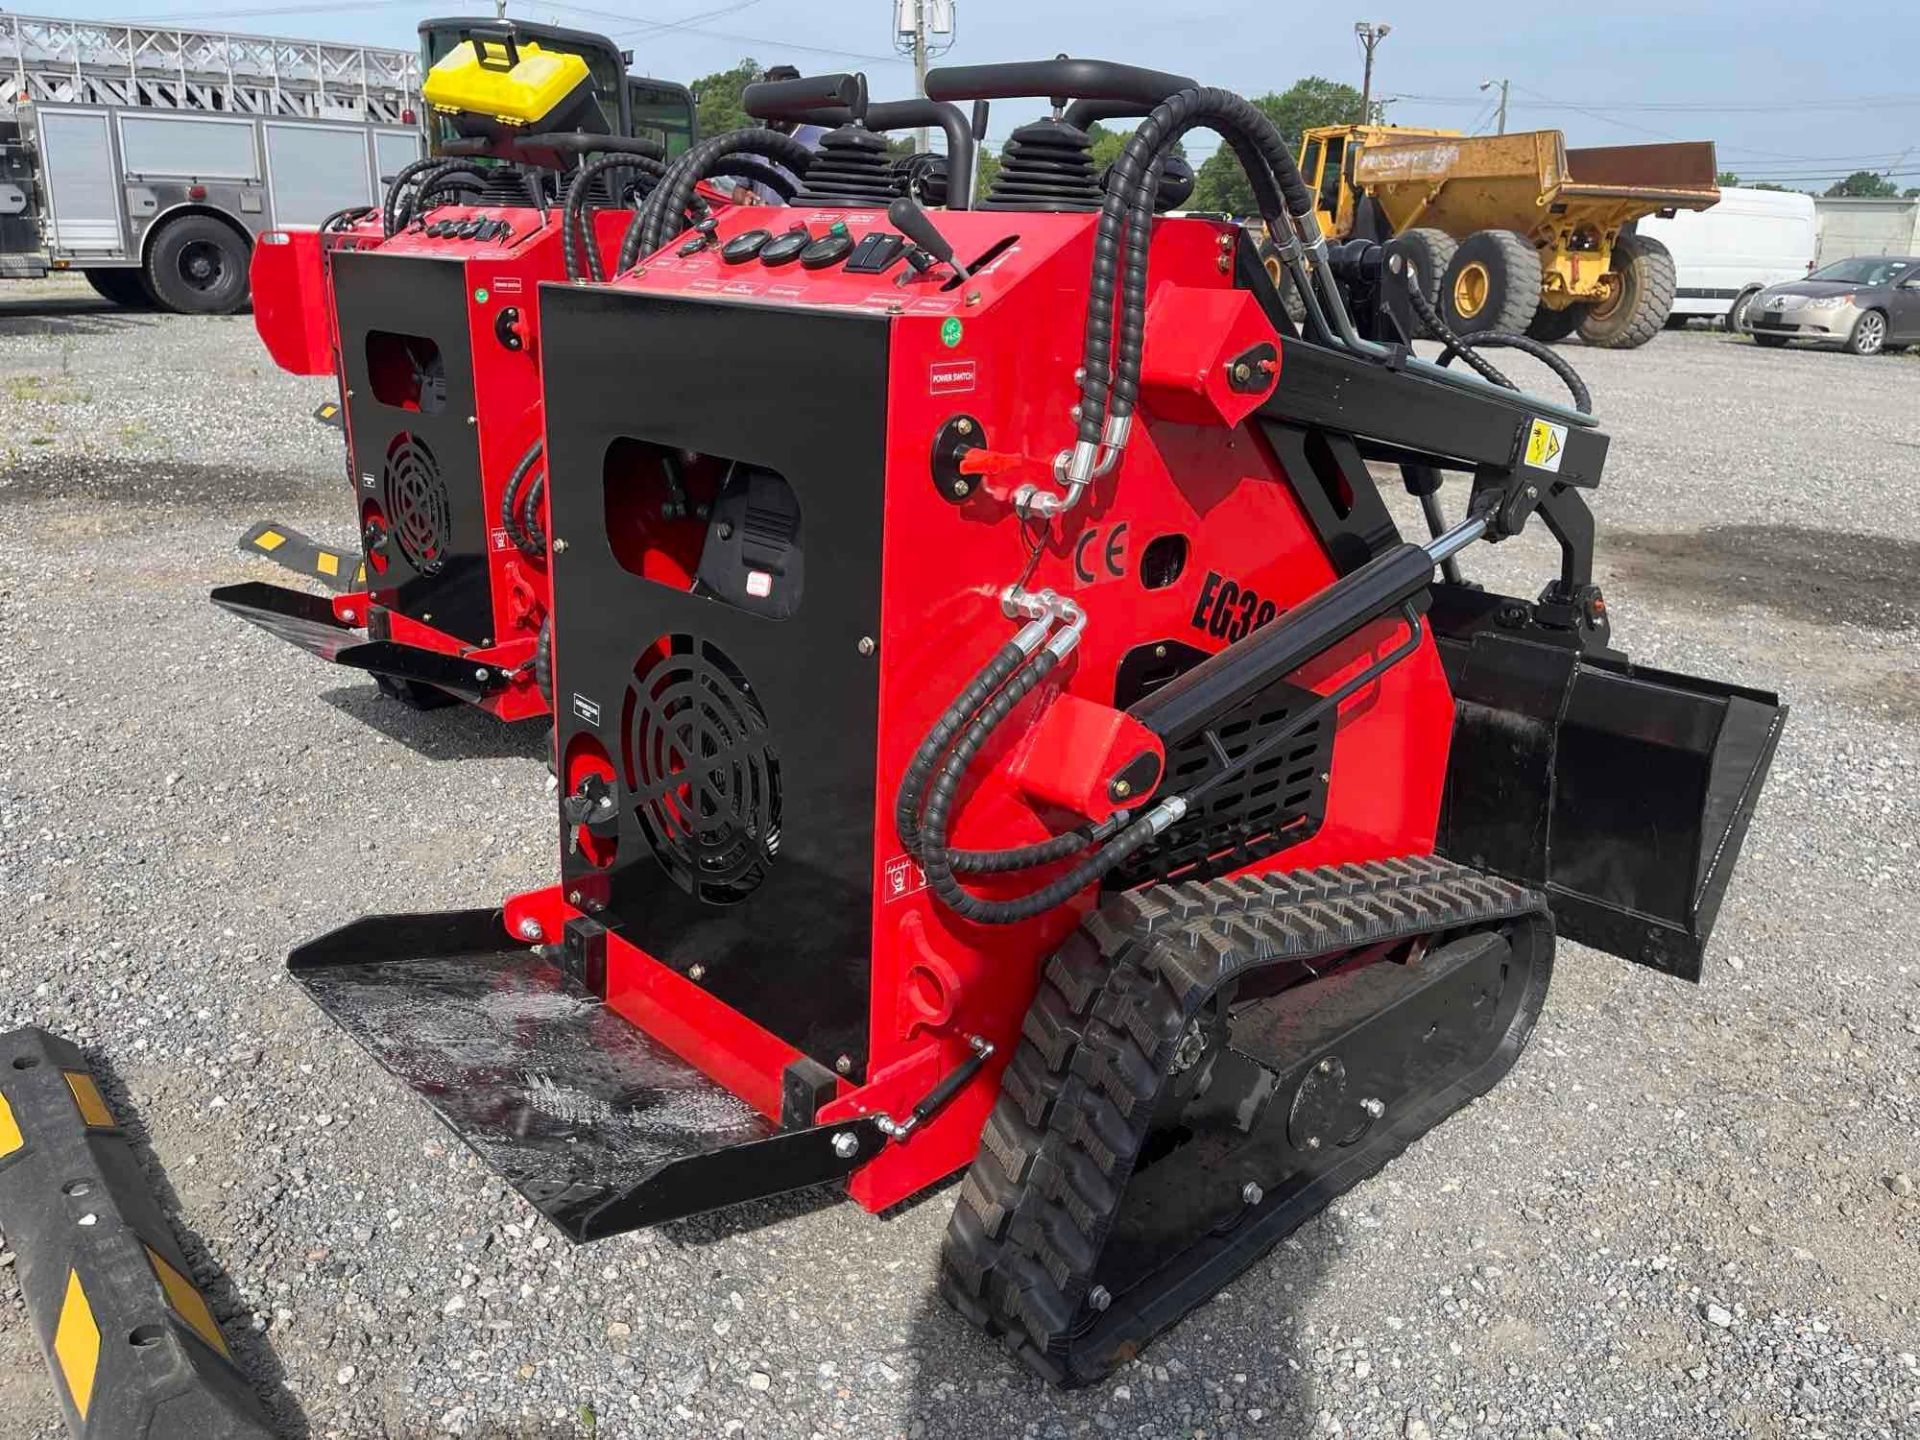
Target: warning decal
1545, 444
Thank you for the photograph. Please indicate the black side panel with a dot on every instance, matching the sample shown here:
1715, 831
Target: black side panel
421, 467
758, 733
1623, 792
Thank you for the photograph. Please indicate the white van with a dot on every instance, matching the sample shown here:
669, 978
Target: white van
1724, 256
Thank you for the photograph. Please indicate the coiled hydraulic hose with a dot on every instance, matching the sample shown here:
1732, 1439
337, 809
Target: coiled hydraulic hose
575, 231
510, 504
1465, 345
390, 203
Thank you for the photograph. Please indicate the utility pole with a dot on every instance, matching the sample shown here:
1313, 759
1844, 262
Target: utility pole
1370, 34
922, 29
1501, 127
499, 9
920, 64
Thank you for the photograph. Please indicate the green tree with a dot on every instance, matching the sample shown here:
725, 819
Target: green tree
718, 96
1863, 185
1220, 185
1726, 177
1107, 145
1910, 192
986, 167
1766, 185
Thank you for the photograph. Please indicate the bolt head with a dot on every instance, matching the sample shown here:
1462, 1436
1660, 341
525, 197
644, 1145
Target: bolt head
846, 1144
1099, 1298
1373, 1107
844, 1065
960, 487
1313, 1142
559, 547
1325, 1067
696, 972
865, 647
573, 897
529, 929
352, 617
1251, 1193
1159, 652
482, 673
1242, 371
963, 425
1122, 788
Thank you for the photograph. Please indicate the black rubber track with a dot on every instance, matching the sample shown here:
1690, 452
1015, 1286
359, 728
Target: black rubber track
1077, 1098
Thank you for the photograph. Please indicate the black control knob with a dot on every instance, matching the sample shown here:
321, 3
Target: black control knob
785, 249
744, 246
829, 249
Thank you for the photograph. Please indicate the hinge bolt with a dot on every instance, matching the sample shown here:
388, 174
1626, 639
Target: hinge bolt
846, 1144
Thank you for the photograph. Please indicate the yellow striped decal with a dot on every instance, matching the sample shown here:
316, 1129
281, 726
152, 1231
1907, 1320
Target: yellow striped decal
187, 1302
360, 574
269, 540
10, 1138
327, 563
76, 1344
86, 1095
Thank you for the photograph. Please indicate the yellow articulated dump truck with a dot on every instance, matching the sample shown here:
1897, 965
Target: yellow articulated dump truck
1515, 232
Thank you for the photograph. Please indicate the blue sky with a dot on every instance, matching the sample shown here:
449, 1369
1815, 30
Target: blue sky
1791, 91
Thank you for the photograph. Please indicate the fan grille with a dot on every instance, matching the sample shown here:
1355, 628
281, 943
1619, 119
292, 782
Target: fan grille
701, 769
417, 505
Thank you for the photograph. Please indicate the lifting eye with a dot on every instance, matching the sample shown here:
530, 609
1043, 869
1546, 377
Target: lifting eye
1163, 561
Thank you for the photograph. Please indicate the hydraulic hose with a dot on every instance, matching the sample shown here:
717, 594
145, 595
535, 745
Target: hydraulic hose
390, 203
1465, 345
530, 517
575, 230
510, 504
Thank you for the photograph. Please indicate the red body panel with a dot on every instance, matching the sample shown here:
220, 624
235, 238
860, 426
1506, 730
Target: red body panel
1001, 349
296, 316
292, 307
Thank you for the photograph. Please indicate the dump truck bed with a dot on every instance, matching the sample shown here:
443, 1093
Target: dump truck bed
1465, 183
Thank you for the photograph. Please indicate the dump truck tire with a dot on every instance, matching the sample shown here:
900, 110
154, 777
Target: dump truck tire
1639, 309
1492, 283
1430, 252
1555, 325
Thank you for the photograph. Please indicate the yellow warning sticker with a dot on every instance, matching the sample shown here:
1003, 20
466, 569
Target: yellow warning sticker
327, 562
1546, 443
269, 540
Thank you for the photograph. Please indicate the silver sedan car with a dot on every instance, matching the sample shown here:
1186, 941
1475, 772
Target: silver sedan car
1869, 304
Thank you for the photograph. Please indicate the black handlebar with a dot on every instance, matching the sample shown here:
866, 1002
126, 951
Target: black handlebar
793, 100
1062, 80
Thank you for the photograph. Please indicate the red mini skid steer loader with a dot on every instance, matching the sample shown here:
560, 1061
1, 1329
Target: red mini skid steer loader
1000, 726
423, 307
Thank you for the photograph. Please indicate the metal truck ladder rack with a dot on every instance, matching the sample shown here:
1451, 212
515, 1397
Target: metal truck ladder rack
54, 61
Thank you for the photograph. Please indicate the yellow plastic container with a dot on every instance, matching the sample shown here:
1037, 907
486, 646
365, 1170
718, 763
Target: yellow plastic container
518, 85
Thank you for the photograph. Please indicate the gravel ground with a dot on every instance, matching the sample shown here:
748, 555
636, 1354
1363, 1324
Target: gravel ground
1688, 1212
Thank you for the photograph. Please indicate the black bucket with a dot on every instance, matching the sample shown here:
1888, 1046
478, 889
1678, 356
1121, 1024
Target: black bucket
1621, 792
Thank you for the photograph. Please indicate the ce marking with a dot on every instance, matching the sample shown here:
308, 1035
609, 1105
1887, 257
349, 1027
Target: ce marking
1100, 555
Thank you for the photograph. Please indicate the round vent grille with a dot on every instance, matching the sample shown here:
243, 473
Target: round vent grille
701, 768
417, 506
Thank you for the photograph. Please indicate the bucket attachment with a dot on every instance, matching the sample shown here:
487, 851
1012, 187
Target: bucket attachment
1623, 793
308, 621
600, 1126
